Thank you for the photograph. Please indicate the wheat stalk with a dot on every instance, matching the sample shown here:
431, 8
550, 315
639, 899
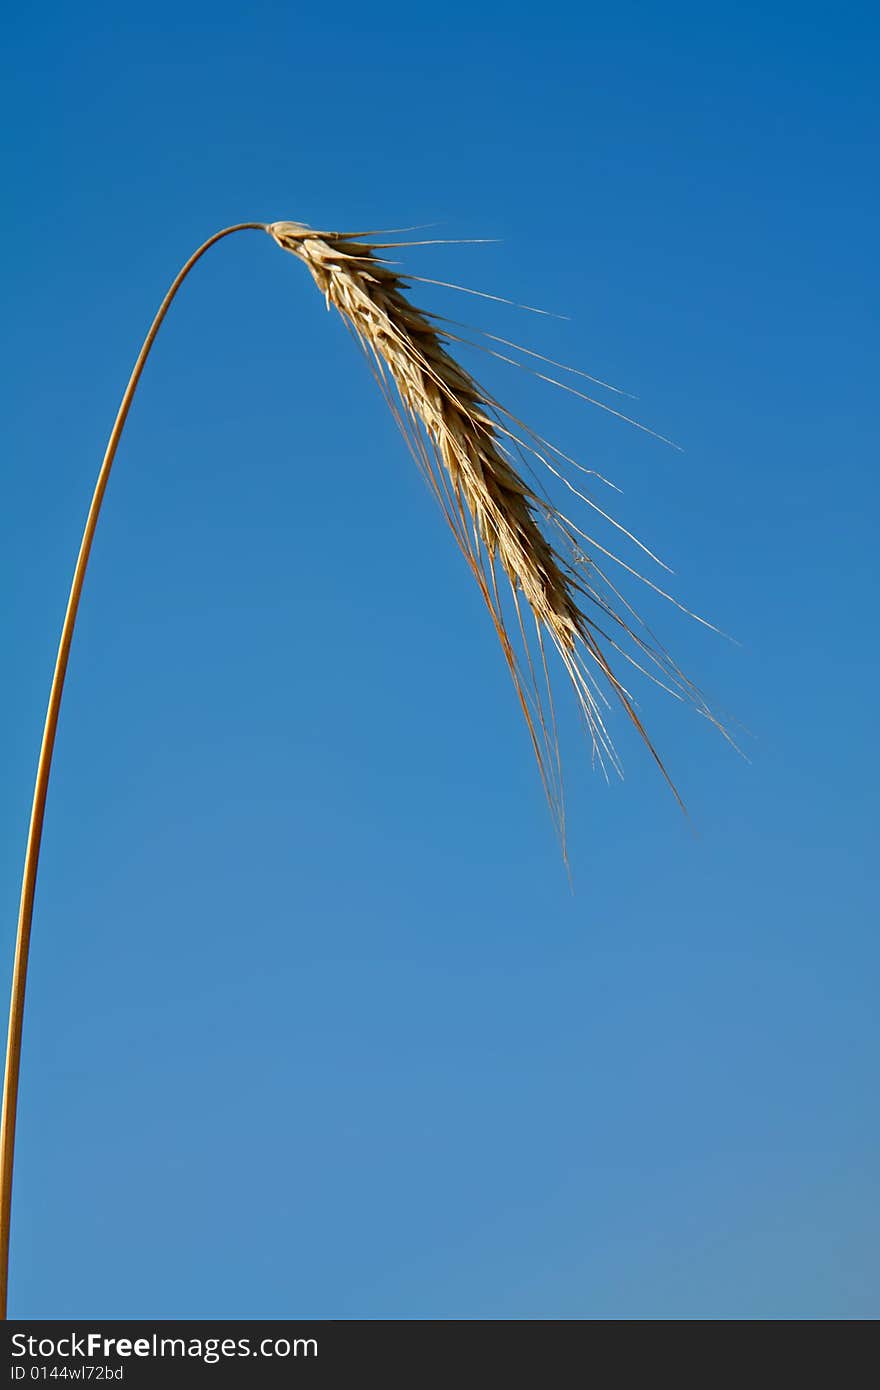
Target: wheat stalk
465, 442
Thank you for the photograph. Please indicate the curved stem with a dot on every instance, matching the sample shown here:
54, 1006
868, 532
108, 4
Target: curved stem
32, 855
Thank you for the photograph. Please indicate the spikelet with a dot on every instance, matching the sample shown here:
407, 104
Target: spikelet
464, 440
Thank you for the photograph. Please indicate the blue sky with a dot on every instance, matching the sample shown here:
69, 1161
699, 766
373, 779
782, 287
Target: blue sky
316, 1025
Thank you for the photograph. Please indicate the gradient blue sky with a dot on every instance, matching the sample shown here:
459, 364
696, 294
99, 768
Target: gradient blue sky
316, 1026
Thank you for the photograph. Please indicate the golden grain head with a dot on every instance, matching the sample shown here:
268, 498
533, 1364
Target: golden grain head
465, 442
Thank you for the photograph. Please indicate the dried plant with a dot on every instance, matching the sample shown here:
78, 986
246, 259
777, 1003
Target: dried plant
467, 445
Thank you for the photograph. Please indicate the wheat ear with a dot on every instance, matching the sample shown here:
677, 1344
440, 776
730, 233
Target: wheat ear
464, 440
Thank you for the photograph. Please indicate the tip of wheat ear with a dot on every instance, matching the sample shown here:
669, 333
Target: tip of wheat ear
465, 441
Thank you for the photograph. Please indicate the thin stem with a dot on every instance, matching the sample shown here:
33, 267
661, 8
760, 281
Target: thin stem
35, 831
